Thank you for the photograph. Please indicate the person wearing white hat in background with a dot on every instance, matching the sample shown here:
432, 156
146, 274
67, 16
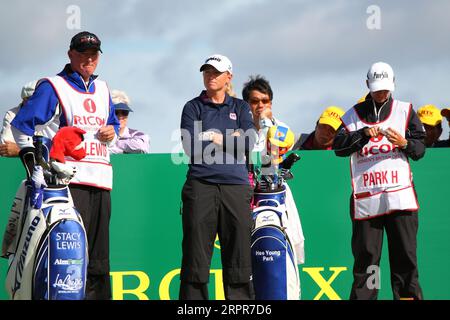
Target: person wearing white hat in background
8, 147
129, 140
379, 135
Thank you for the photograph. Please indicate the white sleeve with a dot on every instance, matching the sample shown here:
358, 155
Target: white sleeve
6, 134
294, 227
22, 140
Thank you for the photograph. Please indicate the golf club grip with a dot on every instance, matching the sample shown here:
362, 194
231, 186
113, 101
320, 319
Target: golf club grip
290, 160
38, 145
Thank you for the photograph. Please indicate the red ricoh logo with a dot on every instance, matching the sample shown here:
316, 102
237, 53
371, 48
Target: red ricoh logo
89, 105
378, 149
377, 138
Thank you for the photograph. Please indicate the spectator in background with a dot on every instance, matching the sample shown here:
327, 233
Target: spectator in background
259, 95
431, 118
8, 147
364, 97
446, 113
129, 140
326, 127
380, 135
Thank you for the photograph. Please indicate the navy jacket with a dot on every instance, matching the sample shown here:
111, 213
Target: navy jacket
209, 162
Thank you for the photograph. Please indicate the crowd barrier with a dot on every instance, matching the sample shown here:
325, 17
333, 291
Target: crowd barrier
146, 229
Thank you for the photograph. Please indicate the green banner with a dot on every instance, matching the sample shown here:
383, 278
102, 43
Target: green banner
146, 229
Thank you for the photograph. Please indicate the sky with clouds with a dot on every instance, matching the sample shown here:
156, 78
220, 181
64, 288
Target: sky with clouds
314, 53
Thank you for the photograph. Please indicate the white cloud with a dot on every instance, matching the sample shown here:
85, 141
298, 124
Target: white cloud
314, 53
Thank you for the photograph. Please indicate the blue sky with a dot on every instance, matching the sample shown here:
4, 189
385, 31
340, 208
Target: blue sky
314, 53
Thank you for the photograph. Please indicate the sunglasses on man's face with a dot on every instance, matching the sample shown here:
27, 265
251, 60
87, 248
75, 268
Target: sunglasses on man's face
122, 113
257, 101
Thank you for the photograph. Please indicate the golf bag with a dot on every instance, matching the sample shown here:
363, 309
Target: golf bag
46, 244
274, 262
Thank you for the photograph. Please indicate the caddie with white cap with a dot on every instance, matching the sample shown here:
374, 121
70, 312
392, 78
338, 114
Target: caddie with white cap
380, 135
380, 77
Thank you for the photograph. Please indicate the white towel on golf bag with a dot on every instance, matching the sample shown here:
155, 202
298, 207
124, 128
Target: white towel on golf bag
294, 227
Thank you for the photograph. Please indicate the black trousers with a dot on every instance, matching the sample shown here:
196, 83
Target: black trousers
94, 206
367, 242
210, 209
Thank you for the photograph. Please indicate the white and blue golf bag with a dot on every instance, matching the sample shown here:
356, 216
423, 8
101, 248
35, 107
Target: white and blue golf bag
274, 261
46, 244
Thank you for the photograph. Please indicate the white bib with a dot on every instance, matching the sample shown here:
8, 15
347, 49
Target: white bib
88, 111
381, 175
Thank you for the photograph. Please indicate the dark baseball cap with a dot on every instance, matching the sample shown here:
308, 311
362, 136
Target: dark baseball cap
122, 106
85, 40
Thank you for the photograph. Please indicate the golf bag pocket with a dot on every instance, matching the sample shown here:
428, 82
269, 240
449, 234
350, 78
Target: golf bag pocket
62, 258
275, 271
20, 270
50, 260
14, 225
273, 198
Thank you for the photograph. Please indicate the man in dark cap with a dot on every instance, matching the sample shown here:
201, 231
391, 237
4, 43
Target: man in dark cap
85, 40
76, 97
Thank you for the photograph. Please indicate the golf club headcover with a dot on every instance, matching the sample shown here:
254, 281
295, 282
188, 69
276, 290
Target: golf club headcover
37, 187
67, 142
64, 172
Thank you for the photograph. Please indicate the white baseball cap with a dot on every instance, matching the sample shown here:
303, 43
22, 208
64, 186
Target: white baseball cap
28, 89
218, 61
380, 77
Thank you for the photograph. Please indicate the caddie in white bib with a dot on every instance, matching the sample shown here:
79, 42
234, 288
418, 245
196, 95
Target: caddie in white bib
88, 111
381, 175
